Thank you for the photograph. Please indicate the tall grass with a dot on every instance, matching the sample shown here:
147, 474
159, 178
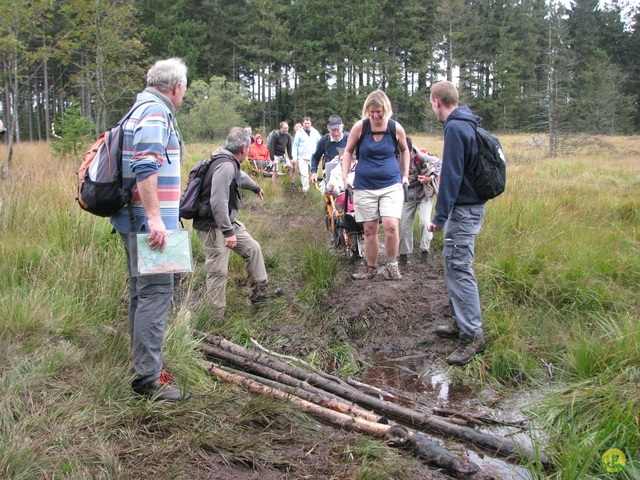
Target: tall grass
558, 266
66, 406
558, 262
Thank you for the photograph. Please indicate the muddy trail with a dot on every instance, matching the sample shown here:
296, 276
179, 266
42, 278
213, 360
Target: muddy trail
392, 325
388, 328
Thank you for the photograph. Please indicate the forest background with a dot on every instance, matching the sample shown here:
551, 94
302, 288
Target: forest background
523, 66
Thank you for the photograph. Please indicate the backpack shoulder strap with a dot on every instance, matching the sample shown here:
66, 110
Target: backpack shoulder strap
391, 128
366, 126
474, 124
224, 156
366, 130
133, 109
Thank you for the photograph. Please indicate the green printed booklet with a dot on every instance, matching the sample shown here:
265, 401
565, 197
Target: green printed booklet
176, 257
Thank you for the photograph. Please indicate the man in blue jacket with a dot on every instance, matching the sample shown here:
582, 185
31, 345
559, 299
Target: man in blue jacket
459, 212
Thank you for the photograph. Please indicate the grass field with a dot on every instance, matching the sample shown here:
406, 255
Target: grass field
558, 268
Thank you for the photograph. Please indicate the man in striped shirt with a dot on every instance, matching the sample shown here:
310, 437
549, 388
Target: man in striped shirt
151, 154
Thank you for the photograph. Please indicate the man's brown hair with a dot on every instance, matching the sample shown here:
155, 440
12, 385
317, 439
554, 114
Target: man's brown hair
446, 92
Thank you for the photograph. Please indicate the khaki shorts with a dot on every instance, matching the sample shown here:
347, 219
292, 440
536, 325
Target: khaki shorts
282, 160
372, 204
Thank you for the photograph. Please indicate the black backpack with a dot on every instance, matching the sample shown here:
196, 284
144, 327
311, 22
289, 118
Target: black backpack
487, 173
190, 203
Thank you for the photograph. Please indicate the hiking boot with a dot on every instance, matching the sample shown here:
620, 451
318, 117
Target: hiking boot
160, 392
403, 259
261, 293
424, 256
393, 271
448, 331
367, 273
465, 351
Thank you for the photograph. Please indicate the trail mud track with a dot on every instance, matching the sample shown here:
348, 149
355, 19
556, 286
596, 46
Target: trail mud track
388, 328
401, 315
384, 318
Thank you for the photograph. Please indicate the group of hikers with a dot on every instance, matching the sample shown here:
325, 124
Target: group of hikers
378, 161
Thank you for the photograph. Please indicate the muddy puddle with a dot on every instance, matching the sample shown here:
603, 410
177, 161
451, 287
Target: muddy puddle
419, 380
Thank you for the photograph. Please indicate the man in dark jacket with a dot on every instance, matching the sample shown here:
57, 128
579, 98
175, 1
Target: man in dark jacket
280, 152
460, 212
218, 226
328, 145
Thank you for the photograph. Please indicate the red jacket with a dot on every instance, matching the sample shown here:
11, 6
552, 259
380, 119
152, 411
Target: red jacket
258, 150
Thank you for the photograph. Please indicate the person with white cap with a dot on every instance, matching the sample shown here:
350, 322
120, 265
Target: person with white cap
328, 145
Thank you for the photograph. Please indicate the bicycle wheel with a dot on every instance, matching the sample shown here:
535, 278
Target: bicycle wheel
355, 248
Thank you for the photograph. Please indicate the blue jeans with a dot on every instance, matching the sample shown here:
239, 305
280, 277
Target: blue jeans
149, 301
463, 224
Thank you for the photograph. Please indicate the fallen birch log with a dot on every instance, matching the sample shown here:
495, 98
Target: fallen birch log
256, 362
430, 451
327, 401
265, 371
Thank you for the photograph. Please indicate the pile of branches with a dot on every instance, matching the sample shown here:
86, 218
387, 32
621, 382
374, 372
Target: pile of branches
355, 406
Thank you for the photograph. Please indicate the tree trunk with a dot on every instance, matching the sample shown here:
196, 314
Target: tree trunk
47, 114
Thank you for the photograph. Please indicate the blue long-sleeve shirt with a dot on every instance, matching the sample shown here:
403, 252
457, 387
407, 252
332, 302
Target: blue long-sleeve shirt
460, 147
331, 151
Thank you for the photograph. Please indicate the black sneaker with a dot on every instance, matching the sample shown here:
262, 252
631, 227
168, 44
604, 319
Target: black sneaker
403, 259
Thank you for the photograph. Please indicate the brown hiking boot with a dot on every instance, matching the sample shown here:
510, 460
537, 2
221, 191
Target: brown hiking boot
367, 273
393, 271
261, 293
448, 331
465, 351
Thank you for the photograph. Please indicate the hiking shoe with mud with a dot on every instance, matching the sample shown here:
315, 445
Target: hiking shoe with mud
367, 273
393, 271
261, 293
161, 390
448, 331
465, 351
403, 259
424, 256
